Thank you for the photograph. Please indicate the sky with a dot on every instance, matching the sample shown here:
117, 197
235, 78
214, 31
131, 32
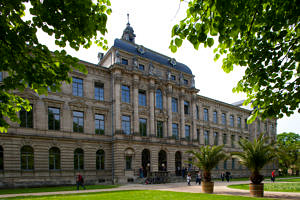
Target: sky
152, 22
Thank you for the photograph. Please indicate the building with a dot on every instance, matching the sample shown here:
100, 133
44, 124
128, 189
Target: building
136, 108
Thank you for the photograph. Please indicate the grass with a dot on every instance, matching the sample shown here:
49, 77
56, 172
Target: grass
53, 189
288, 180
141, 194
274, 187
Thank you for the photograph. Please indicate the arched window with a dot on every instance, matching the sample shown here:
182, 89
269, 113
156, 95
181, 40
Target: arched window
1, 158
27, 158
159, 101
78, 159
178, 163
54, 158
100, 159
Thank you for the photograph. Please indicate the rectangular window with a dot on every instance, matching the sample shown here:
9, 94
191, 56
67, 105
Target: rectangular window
159, 129
258, 126
77, 87
198, 135
232, 140
231, 120
174, 105
205, 114
99, 124
233, 163
99, 91
143, 127
125, 94
26, 118
187, 132
124, 61
265, 127
224, 121
186, 82
78, 121
1, 76
173, 77
175, 131
126, 124
224, 139
142, 98
239, 122
197, 112
206, 138
128, 162
141, 67
216, 138
272, 130
215, 117
186, 107
225, 164
246, 124
53, 118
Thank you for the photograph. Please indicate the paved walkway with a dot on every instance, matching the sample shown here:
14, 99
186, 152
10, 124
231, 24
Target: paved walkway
220, 188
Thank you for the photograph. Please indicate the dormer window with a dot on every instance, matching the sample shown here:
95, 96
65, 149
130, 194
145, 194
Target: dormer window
141, 67
186, 82
173, 62
124, 61
141, 49
173, 77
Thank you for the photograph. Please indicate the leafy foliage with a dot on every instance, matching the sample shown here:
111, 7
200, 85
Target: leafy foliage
30, 64
207, 158
261, 35
288, 150
255, 156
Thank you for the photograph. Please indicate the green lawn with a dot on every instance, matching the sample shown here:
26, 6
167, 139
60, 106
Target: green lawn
53, 189
288, 180
141, 195
275, 187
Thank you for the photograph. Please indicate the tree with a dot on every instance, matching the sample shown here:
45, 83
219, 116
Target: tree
288, 150
30, 64
261, 35
207, 158
255, 155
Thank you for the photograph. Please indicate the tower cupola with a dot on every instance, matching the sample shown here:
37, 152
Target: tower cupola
128, 33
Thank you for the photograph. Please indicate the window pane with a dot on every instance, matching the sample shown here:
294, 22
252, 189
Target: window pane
175, 131
125, 94
124, 61
206, 138
215, 117
174, 105
53, 118
126, 125
159, 103
128, 162
205, 117
186, 107
142, 98
77, 87
27, 158
26, 118
99, 91
78, 121
99, 124
143, 127
187, 132
159, 129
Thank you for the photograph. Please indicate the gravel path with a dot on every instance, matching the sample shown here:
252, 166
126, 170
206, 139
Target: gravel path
220, 188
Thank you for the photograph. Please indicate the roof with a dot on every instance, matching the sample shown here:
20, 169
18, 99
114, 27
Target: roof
151, 55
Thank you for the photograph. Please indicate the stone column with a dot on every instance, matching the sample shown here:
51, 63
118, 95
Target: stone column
151, 105
194, 117
182, 117
169, 94
117, 102
136, 104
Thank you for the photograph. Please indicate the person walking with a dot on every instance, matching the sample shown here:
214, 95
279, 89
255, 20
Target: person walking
198, 178
79, 181
273, 176
227, 176
189, 178
222, 176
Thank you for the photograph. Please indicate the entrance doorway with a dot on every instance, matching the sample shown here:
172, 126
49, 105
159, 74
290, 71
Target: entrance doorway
178, 163
146, 161
162, 161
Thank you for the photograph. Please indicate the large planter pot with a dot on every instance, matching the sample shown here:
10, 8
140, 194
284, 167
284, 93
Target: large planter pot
208, 187
256, 190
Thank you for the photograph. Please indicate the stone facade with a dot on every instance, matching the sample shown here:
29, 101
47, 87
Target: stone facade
161, 93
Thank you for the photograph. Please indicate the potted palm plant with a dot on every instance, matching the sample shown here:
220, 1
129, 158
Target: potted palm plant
206, 159
255, 155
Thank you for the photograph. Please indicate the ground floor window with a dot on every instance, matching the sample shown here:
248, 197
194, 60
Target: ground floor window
100, 156
54, 158
78, 159
27, 158
128, 162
